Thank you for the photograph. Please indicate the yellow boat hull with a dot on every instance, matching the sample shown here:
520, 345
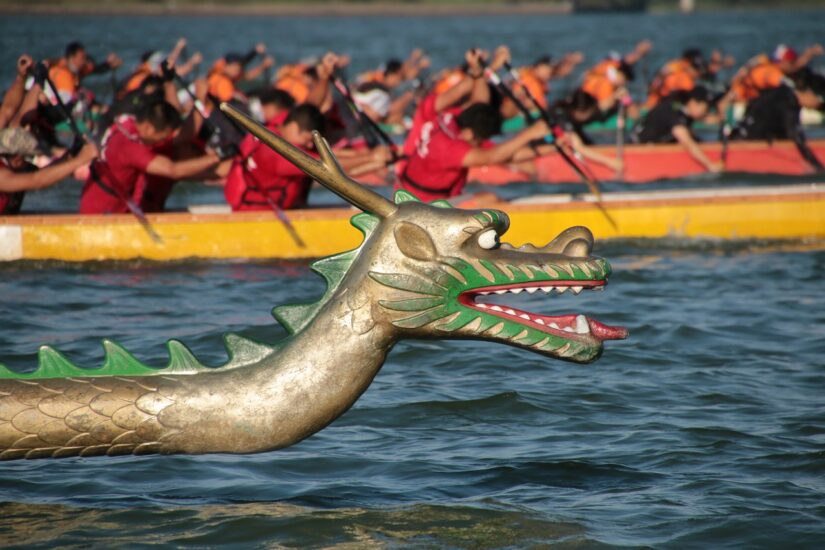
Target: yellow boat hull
786, 212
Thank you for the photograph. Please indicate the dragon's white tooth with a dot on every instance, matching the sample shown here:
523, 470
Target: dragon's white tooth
561, 289
525, 316
540, 321
576, 289
501, 291
547, 289
516, 290
484, 293
509, 312
568, 329
582, 326
482, 306
532, 289
554, 325
496, 308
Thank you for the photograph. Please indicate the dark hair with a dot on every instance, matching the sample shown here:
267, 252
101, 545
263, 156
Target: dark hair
393, 66
233, 57
543, 60
700, 94
144, 57
73, 47
279, 98
484, 120
160, 114
307, 117
627, 69
152, 80
579, 101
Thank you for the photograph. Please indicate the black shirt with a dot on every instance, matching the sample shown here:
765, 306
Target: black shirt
657, 126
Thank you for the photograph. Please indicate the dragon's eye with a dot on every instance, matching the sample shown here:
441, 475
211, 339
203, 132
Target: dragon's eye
488, 239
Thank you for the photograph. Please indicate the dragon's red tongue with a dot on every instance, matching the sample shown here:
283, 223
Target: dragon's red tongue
606, 332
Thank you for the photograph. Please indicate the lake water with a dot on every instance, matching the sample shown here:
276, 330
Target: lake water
706, 429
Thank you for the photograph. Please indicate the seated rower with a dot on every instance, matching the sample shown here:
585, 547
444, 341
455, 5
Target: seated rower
670, 122
129, 156
449, 146
774, 114
18, 175
261, 179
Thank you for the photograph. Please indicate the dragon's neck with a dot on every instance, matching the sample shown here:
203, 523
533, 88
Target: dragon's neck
322, 370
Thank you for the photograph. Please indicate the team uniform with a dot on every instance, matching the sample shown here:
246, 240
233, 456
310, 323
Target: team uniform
677, 75
657, 126
774, 114
435, 168
259, 177
120, 171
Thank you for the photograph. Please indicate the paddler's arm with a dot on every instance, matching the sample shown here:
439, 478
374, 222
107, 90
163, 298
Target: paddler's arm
11, 182
682, 135
193, 123
504, 152
473, 84
182, 169
14, 97
320, 94
592, 155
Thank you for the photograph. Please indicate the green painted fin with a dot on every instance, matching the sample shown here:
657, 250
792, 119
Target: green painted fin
295, 317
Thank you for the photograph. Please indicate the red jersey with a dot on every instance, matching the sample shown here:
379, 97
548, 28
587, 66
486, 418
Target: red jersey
260, 174
121, 167
435, 169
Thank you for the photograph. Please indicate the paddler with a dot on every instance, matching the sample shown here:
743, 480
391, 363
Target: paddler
18, 174
449, 145
763, 72
607, 80
261, 179
227, 72
68, 73
671, 120
774, 115
129, 156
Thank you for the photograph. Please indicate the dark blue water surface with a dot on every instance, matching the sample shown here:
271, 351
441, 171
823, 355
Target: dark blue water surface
706, 429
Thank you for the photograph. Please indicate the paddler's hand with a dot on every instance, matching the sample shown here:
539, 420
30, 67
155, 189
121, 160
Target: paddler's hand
260, 48
113, 60
40, 74
24, 63
167, 71
500, 56
201, 89
716, 167
88, 152
268, 62
474, 58
643, 47
327, 66
382, 155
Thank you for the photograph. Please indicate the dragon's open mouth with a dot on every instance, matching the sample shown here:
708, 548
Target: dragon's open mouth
572, 327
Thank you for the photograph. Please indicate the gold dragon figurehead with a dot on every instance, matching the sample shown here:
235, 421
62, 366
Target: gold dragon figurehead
431, 271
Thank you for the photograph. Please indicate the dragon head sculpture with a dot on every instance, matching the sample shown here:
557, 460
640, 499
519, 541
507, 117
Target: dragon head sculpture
435, 271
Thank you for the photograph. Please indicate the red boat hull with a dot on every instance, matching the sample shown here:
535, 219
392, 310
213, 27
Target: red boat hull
647, 163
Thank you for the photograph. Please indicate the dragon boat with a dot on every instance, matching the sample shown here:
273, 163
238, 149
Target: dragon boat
650, 163
422, 271
794, 212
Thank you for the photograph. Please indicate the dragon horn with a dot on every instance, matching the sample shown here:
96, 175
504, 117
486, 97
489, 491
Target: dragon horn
327, 172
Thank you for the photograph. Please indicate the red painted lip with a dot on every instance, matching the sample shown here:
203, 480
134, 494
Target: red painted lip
606, 332
598, 331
